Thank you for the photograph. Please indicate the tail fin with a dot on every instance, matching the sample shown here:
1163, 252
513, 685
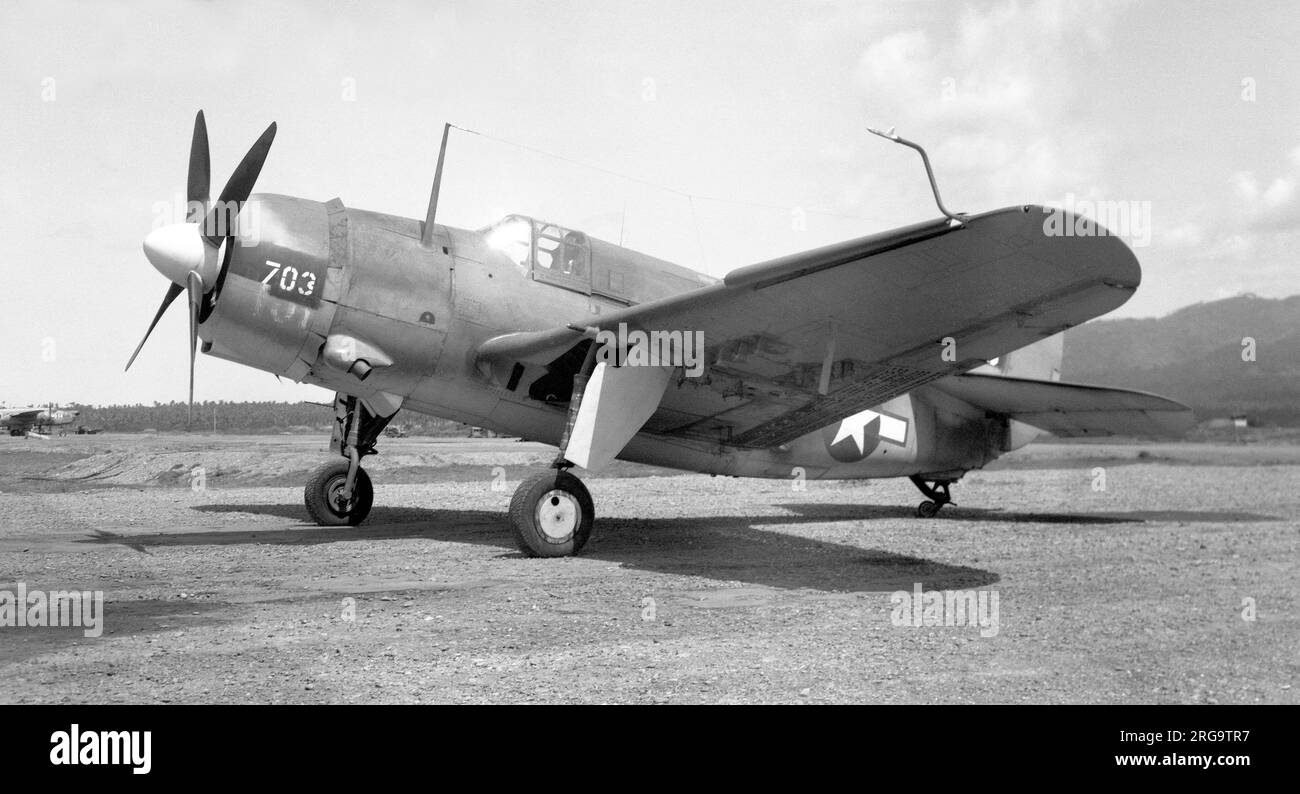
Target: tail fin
1039, 361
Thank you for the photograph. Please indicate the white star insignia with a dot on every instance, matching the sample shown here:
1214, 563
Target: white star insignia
855, 427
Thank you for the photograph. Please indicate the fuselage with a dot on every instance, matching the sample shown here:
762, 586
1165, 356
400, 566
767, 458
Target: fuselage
353, 301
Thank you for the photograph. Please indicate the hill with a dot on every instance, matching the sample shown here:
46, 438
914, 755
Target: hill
1195, 355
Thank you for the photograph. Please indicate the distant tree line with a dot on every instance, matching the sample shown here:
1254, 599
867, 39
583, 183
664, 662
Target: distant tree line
243, 417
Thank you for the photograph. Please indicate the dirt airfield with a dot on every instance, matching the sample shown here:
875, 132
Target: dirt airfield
693, 588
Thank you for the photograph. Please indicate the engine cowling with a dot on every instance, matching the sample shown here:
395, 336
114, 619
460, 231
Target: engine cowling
276, 299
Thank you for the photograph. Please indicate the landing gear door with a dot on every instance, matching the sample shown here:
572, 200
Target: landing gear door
561, 257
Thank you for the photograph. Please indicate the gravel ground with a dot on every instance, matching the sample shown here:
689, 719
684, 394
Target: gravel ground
693, 589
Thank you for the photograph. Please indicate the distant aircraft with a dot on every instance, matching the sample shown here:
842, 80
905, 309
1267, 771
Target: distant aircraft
21, 421
922, 352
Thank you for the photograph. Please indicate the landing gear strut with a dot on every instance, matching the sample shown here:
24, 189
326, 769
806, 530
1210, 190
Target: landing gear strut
552, 513
339, 493
937, 496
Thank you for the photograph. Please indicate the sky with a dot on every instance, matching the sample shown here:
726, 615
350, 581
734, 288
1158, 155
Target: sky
714, 134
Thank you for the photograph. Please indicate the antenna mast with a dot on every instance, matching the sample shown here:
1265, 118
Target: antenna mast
890, 135
426, 237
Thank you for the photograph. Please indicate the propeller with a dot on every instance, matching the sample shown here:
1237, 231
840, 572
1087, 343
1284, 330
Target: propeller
190, 254
199, 179
238, 188
194, 286
172, 291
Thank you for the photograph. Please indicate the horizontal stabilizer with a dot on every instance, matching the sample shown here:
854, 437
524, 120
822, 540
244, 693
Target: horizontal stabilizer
1071, 410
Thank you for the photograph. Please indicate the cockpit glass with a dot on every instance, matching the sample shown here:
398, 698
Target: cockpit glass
541, 247
513, 236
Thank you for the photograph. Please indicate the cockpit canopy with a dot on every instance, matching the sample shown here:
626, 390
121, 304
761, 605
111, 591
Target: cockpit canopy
543, 248
570, 259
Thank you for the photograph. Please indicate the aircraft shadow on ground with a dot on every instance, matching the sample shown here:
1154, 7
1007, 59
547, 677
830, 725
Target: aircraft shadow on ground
843, 512
727, 548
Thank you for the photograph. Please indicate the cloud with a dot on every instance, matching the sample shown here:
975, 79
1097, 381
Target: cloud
1269, 205
1248, 234
1184, 235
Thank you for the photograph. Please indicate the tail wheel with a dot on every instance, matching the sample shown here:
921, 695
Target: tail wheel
324, 496
552, 514
937, 495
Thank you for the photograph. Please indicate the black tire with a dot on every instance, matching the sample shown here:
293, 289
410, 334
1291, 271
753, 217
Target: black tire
538, 535
927, 509
321, 496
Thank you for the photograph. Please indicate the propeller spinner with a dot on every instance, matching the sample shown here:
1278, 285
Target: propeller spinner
189, 254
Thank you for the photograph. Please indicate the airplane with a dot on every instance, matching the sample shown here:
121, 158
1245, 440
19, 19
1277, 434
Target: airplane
20, 421
924, 352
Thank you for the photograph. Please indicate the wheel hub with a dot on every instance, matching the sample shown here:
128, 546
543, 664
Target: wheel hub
336, 499
558, 514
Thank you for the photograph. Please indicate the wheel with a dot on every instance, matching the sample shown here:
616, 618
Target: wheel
322, 495
927, 509
552, 514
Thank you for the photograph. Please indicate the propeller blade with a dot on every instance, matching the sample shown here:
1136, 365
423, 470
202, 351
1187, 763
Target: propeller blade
172, 291
210, 297
194, 285
237, 190
199, 180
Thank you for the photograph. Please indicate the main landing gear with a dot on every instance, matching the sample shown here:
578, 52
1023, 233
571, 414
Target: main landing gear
937, 496
327, 499
339, 493
552, 514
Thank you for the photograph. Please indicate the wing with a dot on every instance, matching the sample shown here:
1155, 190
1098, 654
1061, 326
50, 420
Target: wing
1071, 410
21, 420
798, 342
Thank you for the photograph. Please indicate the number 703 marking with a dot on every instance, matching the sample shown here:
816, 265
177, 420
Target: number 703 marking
291, 279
